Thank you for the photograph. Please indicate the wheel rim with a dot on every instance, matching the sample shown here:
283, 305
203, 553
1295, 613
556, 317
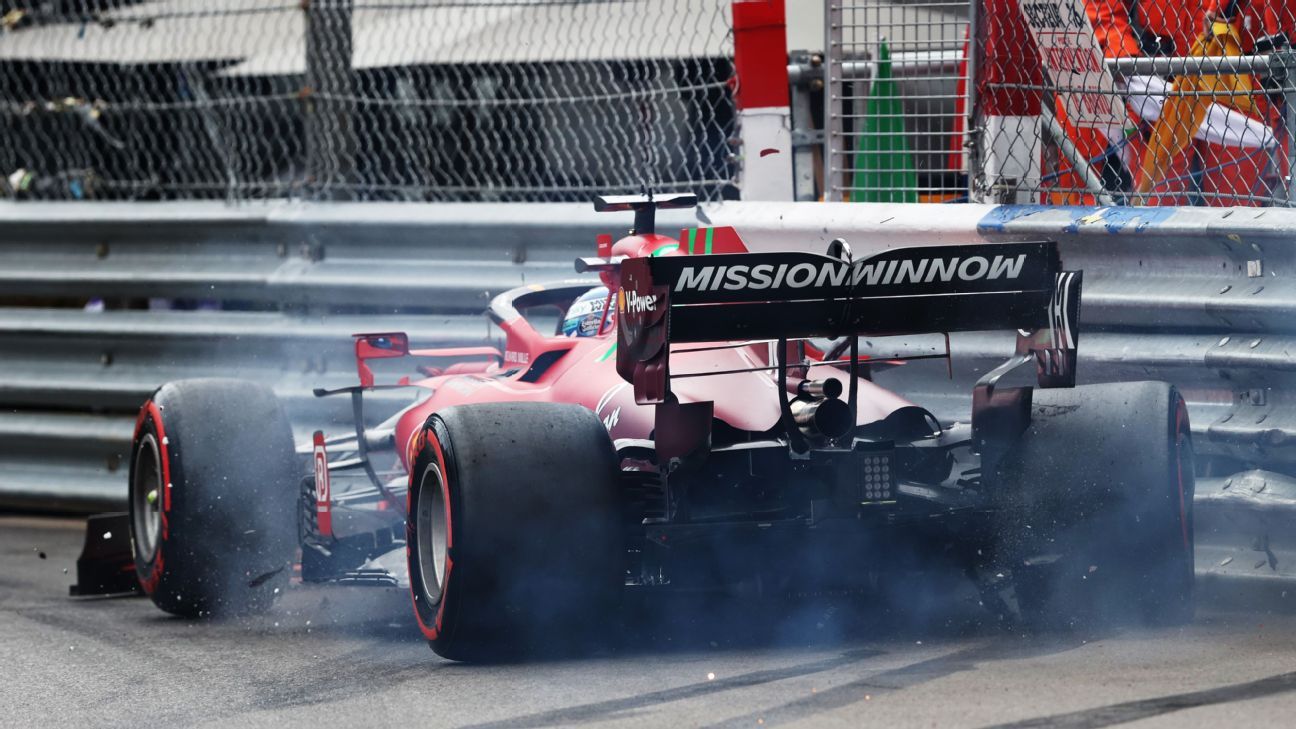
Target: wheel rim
146, 497
433, 534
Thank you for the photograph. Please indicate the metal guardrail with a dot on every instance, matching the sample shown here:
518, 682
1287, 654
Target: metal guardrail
293, 283
1201, 297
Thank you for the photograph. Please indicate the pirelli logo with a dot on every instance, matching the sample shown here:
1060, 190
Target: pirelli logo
936, 269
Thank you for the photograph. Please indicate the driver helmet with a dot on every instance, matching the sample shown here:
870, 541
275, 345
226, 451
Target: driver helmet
586, 312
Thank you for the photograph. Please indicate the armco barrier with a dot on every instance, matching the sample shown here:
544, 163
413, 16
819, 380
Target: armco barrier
293, 283
1201, 297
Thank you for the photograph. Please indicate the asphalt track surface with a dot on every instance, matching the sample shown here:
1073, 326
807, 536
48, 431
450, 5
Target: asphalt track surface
350, 657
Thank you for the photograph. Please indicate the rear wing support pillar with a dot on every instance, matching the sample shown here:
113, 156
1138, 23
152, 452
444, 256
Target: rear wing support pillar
796, 438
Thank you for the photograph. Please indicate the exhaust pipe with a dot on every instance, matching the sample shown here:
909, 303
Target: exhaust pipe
829, 418
830, 388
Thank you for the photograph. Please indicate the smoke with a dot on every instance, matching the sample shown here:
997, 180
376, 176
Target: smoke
727, 595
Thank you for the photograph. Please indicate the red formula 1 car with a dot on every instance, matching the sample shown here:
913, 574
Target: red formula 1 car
701, 420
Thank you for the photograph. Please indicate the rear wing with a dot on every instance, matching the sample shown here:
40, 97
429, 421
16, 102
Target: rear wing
785, 295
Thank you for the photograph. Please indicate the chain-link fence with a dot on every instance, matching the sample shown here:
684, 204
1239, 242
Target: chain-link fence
365, 99
896, 78
1083, 102
1150, 102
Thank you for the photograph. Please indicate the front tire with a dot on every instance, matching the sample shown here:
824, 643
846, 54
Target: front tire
513, 532
1096, 519
212, 498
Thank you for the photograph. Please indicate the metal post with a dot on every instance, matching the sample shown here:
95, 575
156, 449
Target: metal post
330, 132
1092, 180
1189, 65
1283, 70
971, 133
802, 69
832, 97
807, 142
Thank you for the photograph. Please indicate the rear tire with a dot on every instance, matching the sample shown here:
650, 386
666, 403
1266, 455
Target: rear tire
514, 530
1095, 520
212, 497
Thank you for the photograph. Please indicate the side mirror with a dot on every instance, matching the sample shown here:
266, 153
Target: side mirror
382, 345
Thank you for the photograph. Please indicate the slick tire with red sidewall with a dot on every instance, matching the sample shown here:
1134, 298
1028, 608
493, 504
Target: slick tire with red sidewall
1096, 519
515, 543
212, 497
